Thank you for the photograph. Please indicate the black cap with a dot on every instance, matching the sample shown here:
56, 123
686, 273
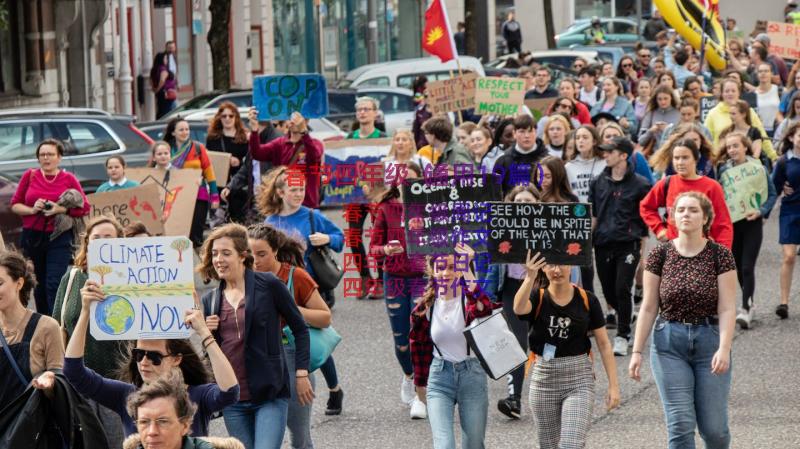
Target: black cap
622, 144
604, 115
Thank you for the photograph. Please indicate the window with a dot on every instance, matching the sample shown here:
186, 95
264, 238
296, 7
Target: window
9, 47
391, 103
341, 102
18, 141
623, 28
240, 100
382, 81
83, 138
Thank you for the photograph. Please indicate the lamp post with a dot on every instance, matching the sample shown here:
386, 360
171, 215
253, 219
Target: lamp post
148, 112
124, 78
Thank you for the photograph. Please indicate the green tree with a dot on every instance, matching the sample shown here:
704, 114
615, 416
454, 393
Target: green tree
180, 245
219, 43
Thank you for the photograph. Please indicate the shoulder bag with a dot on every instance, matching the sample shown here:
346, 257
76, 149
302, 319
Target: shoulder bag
327, 271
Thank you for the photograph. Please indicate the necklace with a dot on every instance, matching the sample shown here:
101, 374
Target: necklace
45, 176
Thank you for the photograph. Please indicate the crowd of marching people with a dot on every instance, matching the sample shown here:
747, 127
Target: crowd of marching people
630, 141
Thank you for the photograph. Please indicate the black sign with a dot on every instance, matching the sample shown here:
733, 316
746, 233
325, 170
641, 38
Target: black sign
440, 212
561, 232
706, 105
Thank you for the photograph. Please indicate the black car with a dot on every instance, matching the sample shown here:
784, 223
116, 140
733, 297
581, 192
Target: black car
90, 136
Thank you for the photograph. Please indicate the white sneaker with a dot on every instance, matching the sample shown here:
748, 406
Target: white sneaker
418, 409
620, 346
407, 391
744, 318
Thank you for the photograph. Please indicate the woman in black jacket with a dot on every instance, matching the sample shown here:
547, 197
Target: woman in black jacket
245, 313
226, 133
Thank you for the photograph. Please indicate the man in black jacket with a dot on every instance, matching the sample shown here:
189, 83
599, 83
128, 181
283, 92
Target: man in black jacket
618, 229
518, 164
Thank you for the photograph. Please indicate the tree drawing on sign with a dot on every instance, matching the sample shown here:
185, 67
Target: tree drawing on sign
102, 270
180, 246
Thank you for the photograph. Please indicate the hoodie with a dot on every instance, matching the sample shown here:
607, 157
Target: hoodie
615, 205
580, 173
522, 164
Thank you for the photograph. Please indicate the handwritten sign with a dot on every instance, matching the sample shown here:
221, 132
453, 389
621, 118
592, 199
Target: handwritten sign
177, 190
452, 94
347, 162
148, 283
539, 106
140, 203
561, 232
222, 166
277, 96
745, 188
499, 96
447, 210
706, 105
784, 39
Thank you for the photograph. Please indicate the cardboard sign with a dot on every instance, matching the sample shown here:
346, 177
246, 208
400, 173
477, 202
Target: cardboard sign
347, 162
222, 166
706, 105
561, 232
443, 211
177, 190
784, 39
452, 94
141, 203
745, 188
148, 283
277, 96
539, 106
499, 96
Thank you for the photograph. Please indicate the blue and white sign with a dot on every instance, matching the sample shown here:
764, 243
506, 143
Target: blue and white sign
149, 285
278, 96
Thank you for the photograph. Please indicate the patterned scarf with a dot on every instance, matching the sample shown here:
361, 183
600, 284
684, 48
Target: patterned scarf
179, 157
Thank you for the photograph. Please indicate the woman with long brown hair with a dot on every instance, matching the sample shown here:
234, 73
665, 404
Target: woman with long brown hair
226, 133
661, 161
551, 178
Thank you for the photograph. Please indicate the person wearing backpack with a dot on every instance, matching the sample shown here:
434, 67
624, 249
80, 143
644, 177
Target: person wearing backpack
560, 316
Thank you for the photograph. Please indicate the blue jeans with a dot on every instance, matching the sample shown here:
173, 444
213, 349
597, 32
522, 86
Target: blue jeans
50, 261
692, 396
399, 308
462, 384
257, 426
328, 370
299, 417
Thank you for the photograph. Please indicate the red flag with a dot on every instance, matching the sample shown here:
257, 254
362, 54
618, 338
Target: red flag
437, 38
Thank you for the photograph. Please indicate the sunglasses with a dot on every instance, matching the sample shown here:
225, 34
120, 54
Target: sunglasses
153, 356
227, 115
627, 66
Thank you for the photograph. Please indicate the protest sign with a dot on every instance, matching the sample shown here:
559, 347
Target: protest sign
706, 105
561, 232
745, 188
347, 162
499, 96
141, 203
148, 284
539, 106
222, 166
451, 95
177, 190
277, 96
784, 40
443, 211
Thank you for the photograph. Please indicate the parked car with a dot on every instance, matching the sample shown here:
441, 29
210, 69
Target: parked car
403, 72
90, 136
563, 58
616, 30
396, 105
613, 52
10, 223
211, 100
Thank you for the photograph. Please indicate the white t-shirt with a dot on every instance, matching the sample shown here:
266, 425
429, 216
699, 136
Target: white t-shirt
447, 330
590, 98
768, 106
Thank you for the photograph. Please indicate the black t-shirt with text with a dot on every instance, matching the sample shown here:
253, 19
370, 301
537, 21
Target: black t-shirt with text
564, 327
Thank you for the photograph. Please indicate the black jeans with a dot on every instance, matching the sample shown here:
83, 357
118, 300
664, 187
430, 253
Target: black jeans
520, 330
747, 237
616, 268
357, 245
198, 222
51, 260
587, 277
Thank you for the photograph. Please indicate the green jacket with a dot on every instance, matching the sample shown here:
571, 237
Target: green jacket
455, 153
103, 357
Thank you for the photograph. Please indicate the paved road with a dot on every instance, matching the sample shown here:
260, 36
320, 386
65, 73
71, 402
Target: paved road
764, 405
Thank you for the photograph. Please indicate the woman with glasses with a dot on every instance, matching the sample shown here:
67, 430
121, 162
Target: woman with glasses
226, 133
629, 75
148, 361
48, 196
569, 88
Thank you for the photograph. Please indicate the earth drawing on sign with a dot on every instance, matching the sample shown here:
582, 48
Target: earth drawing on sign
115, 315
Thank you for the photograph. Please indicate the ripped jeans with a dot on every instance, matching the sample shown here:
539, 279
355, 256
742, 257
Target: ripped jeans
399, 303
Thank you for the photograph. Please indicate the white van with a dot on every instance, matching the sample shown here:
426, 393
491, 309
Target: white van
402, 73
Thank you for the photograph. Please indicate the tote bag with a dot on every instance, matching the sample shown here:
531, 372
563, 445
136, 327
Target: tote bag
495, 345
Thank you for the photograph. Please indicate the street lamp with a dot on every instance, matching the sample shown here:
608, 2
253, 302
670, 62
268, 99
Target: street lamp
124, 78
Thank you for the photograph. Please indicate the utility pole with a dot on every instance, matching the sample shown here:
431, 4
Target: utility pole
148, 112
372, 31
124, 78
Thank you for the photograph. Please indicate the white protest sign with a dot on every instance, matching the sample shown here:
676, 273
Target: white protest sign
148, 284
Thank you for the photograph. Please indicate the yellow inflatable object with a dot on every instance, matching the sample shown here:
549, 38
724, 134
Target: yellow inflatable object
686, 17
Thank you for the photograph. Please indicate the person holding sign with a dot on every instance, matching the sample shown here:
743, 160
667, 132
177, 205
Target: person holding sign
786, 177
245, 316
618, 230
297, 148
115, 168
748, 230
560, 317
186, 153
148, 361
690, 295
443, 367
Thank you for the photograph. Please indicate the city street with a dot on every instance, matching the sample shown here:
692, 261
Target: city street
764, 404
